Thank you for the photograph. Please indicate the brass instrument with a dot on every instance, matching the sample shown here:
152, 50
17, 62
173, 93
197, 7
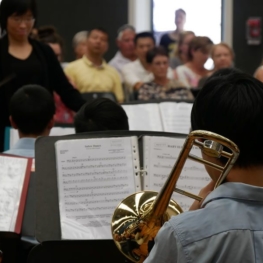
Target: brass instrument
138, 218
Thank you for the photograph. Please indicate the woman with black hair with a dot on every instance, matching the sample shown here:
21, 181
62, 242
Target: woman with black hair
26, 61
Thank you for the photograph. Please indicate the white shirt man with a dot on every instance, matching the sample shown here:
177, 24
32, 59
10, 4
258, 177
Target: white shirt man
125, 43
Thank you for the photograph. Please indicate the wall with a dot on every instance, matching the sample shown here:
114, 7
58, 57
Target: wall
71, 16
248, 57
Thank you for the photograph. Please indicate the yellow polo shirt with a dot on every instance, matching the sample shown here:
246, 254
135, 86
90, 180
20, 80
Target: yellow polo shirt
89, 78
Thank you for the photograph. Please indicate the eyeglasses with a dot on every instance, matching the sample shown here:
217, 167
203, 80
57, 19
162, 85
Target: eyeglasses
18, 19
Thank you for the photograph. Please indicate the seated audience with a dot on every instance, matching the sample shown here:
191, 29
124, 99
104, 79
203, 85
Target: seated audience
162, 87
79, 43
194, 70
32, 110
170, 40
138, 72
49, 36
91, 73
226, 226
101, 115
181, 53
125, 43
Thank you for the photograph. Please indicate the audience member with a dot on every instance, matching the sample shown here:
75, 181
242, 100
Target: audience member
162, 87
27, 61
91, 73
259, 72
101, 115
181, 53
229, 217
169, 40
194, 70
223, 56
49, 36
79, 43
125, 43
138, 72
31, 112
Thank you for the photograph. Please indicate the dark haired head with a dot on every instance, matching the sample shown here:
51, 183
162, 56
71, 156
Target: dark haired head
100, 115
32, 108
101, 29
156, 51
48, 34
18, 7
144, 35
231, 104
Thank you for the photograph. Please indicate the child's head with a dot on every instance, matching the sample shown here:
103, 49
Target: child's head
101, 115
231, 104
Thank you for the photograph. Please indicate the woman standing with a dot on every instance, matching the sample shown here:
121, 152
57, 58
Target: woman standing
26, 61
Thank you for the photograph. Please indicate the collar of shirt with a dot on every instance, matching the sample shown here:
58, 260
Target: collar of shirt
238, 191
90, 64
121, 58
25, 143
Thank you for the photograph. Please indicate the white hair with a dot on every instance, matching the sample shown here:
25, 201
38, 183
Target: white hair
123, 29
79, 38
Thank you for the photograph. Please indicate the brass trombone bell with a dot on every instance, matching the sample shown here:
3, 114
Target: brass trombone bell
138, 218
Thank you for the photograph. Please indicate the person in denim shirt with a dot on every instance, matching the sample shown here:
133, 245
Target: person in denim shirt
226, 226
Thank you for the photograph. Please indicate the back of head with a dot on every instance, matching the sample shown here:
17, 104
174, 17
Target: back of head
231, 104
32, 108
101, 115
145, 34
203, 44
18, 7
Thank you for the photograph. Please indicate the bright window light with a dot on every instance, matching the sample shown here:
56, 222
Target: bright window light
203, 17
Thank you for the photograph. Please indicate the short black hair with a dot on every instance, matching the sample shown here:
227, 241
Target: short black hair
100, 115
49, 34
145, 34
32, 107
231, 104
99, 28
18, 7
156, 51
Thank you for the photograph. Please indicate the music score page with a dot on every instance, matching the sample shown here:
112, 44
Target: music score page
144, 117
176, 116
160, 155
94, 176
12, 176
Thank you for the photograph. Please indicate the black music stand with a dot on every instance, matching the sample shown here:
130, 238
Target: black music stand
52, 248
9, 245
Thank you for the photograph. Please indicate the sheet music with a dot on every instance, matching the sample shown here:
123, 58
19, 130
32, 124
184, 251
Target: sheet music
12, 175
144, 117
94, 175
176, 116
159, 159
55, 131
